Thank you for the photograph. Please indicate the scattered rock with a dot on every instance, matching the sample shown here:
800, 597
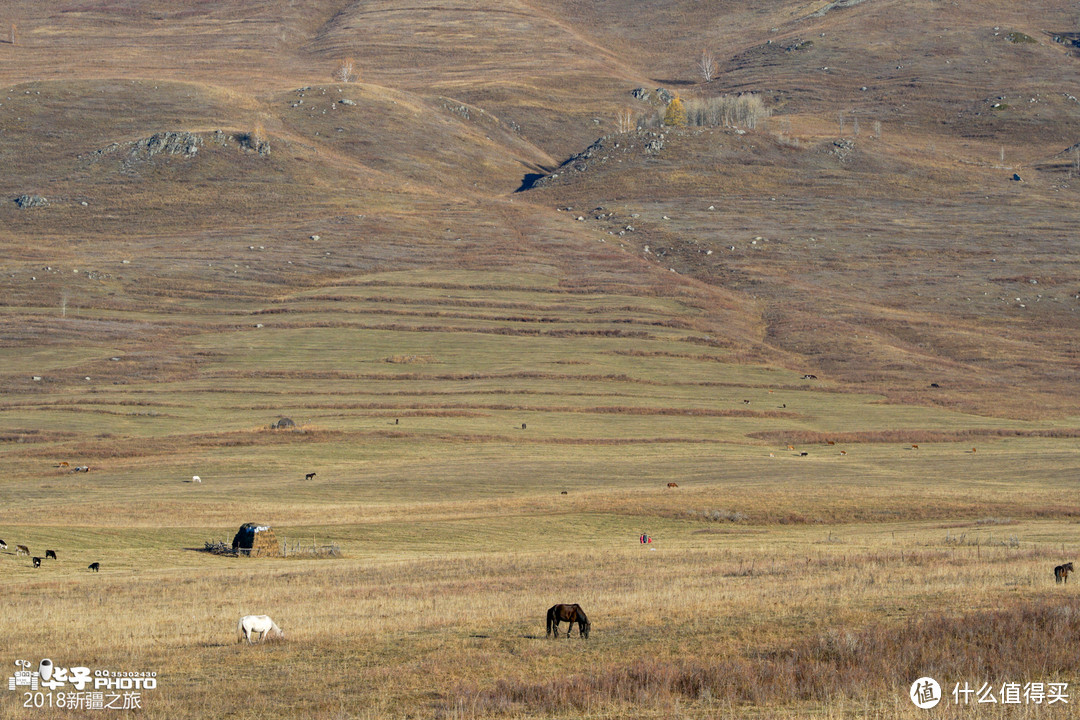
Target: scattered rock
172, 143
842, 148
31, 201
640, 94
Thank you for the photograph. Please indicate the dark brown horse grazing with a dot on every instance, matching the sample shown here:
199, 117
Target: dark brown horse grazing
1061, 572
569, 614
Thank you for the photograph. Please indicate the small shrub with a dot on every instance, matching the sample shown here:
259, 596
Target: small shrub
346, 71
723, 515
726, 110
1019, 37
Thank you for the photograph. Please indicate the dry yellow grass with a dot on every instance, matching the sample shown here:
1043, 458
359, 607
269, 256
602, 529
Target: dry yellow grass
402, 630
457, 356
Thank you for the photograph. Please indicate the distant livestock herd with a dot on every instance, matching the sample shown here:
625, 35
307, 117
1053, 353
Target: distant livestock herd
49, 555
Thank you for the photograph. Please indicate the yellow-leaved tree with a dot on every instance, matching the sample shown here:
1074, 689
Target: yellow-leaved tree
676, 113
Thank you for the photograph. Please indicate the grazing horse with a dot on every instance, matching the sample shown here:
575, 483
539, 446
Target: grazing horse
1061, 572
569, 614
50, 554
309, 476
261, 624
37, 562
22, 550
95, 566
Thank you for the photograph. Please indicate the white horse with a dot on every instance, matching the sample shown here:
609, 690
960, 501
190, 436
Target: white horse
261, 624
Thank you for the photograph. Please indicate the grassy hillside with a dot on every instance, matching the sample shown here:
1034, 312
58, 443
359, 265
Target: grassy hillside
844, 334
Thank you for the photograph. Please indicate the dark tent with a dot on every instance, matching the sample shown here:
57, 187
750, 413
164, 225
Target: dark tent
256, 541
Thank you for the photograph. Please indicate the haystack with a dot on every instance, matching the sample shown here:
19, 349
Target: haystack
256, 540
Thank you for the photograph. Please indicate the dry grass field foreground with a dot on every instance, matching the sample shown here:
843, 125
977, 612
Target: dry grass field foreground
444, 427
779, 621
847, 335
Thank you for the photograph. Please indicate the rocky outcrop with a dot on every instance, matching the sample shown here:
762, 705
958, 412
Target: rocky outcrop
172, 143
660, 96
31, 201
182, 144
608, 147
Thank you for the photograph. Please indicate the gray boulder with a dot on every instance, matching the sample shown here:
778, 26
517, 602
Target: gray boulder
172, 143
31, 201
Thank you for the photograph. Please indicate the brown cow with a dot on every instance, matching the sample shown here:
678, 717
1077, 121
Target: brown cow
673, 485
22, 550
